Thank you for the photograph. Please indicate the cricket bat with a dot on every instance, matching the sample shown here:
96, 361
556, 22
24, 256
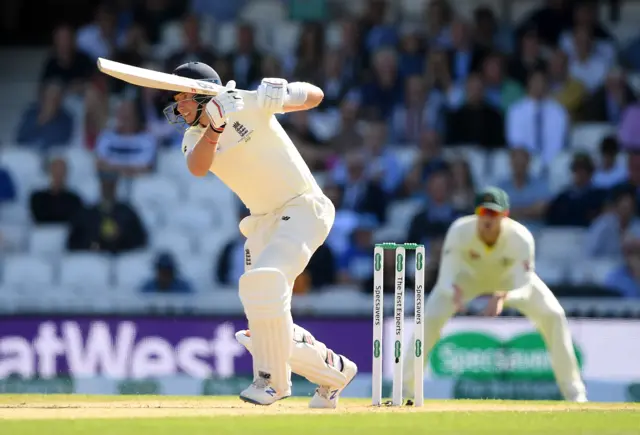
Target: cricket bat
159, 80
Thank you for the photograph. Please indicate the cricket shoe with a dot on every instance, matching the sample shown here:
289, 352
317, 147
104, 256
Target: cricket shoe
260, 392
327, 397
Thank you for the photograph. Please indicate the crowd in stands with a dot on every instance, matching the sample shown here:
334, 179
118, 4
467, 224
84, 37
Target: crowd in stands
439, 88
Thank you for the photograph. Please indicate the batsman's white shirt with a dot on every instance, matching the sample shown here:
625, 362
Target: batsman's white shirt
476, 268
257, 161
290, 215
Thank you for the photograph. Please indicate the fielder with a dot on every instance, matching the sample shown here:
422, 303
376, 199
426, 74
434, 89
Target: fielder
489, 253
247, 148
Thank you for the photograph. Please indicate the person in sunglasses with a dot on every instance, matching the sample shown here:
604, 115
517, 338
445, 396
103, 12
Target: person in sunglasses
488, 253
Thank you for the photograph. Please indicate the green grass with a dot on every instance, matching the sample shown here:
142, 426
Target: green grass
218, 416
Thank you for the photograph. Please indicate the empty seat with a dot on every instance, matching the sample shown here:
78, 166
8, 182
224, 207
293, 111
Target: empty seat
561, 243
171, 163
193, 218
132, 270
16, 213
551, 272
174, 241
81, 164
593, 271
286, 38
23, 163
87, 270
21, 271
587, 136
401, 213
157, 191
198, 270
13, 236
48, 240
560, 172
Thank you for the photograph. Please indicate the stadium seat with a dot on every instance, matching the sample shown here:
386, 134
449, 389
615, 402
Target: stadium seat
90, 271
560, 244
286, 38
48, 240
587, 136
271, 12
16, 213
560, 172
87, 188
81, 164
174, 241
593, 271
13, 236
226, 37
477, 158
198, 270
400, 213
551, 272
171, 163
133, 269
157, 191
24, 164
21, 271
193, 218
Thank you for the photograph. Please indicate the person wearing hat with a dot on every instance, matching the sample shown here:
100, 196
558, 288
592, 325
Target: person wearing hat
488, 253
166, 279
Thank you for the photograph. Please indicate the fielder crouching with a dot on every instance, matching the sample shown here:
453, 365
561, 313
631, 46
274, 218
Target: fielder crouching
491, 254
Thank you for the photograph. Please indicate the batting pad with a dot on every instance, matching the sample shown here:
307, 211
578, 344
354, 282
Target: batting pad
266, 298
309, 358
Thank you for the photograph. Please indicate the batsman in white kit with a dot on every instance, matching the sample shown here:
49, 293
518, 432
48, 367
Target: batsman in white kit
245, 146
491, 254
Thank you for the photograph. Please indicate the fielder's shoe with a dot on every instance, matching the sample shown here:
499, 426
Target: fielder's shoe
327, 397
260, 392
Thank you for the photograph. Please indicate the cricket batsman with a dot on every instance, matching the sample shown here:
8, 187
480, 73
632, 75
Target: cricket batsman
244, 145
490, 254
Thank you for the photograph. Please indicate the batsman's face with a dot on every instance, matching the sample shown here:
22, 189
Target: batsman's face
187, 107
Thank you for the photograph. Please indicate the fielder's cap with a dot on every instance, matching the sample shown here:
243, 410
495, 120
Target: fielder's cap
493, 198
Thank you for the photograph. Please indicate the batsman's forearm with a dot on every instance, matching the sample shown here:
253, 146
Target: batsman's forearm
303, 96
200, 158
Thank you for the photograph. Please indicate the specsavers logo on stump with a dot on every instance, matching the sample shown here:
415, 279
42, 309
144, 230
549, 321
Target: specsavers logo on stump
487, 367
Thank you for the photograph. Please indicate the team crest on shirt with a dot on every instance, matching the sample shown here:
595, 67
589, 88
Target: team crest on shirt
473, 255
242, 131
507, 262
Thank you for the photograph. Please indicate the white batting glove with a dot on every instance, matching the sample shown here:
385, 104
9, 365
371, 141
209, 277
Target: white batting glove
222, 105
272, 93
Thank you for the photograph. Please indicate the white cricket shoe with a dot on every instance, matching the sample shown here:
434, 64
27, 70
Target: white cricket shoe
260, 392
327, 397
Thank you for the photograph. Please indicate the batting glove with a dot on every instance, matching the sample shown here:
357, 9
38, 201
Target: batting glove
222, 105
271, 94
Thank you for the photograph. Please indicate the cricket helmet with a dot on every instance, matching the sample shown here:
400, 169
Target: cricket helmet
196, 71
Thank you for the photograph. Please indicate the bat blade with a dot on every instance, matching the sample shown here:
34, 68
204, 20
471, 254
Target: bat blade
159, 80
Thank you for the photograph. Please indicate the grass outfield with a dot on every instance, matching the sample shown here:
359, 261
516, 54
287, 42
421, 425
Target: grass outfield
126, 415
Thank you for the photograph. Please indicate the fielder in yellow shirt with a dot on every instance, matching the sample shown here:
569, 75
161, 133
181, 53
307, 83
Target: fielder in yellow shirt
490, 254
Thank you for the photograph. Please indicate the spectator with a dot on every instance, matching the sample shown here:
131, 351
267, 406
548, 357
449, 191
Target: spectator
439, 15
604, 239
608, 103
134, 51
194, 48
476, 122
530, 195
411, 117
57, 203
384, 91
587, 64
500, 91
347, 134
300, 128
127, 149
444, 94
550, 20
464, 57
633, 169
332, 81
109, 226
65, 64
222, 12
344, 222
488, 33
462, 185
271, 67
320, 272
630, 128
430, 159
167, 278
361, 194
354, 57
384, 168
309, 52
438, 212
377, 32
581, 202
528, 58
100, 38
154, 15
355, 266
245, 59
537, 122
625, 280
612, 169
412, 51
585, 16
7, 186
46, 122
566, 90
